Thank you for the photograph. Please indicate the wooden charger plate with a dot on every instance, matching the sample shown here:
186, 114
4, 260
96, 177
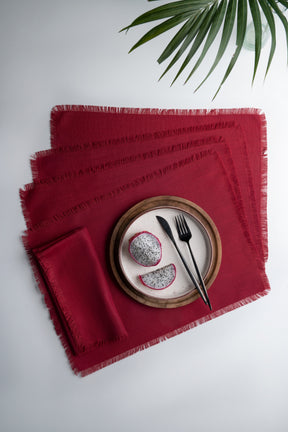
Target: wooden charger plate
205, 243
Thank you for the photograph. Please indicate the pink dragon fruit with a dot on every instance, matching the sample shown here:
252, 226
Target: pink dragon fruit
145, 248
160, 278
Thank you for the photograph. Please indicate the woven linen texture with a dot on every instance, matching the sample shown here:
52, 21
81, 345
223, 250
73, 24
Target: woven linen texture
104, 160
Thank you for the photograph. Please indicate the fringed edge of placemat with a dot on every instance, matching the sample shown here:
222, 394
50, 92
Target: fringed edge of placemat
264, 184
56, 322
175, 332
58, 109
61, 333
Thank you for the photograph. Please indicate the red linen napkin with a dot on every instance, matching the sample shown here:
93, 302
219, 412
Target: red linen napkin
79, 291
212, 171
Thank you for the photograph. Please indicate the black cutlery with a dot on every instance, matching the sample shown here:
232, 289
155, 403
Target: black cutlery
166, 227
185, 235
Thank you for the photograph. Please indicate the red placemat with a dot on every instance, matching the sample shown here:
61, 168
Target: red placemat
104, 161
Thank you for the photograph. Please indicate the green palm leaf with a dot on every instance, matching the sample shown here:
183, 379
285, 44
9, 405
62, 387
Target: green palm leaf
271, 23
188, 40
178, 38
241, 31
275, 7
214, 29
161, 28
206, 18
201, 21
255, 11
283, 2
169, 10
227, 30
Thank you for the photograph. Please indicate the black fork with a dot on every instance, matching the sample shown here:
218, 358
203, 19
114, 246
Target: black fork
185, 235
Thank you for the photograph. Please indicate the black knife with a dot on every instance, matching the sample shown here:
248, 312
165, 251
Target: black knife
166, 227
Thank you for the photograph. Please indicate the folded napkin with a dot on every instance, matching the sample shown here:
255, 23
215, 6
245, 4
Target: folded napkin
79, 291
102, 162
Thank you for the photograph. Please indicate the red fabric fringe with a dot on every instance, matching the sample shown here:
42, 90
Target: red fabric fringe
102, 161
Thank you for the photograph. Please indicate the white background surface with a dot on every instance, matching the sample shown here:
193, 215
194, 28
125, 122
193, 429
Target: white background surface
229, 374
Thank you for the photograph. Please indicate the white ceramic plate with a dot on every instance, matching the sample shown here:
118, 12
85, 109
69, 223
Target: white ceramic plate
200, 244
205, 243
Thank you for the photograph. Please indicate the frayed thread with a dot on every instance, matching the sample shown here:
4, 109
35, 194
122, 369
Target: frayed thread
264, 185
60, 109
91, 170
176, 332
84, 205
153, 111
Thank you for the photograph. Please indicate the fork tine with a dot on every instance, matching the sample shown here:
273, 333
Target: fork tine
178, 225
184, 234
185, 224
181, 221
181, 225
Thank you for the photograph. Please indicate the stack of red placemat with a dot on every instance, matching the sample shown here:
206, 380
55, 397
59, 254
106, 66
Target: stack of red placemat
103, 161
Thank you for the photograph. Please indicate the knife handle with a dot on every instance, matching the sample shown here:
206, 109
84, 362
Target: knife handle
189, 273
202, 283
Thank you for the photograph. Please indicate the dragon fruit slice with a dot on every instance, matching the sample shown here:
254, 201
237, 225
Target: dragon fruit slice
145, 248
160, 278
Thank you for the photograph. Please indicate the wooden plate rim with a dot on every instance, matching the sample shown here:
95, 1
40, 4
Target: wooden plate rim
153, 203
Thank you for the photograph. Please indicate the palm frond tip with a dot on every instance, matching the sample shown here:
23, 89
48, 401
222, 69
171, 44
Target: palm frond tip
201, 21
